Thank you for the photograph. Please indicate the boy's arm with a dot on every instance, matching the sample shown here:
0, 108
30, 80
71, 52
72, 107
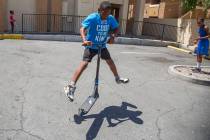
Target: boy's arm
83, 30
113, 29
113, 34
83, 33
208, 33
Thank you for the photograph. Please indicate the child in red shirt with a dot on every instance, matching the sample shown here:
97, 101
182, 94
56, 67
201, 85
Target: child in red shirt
12, 20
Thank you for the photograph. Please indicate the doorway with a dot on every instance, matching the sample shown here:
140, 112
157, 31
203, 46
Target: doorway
115, 11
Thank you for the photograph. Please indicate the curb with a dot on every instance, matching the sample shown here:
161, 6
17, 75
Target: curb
70, 38
1, 37
119, 40
180, 49
77, 38
13, 36
187, 78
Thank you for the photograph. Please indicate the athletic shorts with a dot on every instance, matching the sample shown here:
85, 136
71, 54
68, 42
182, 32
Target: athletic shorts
203, 47
90, 53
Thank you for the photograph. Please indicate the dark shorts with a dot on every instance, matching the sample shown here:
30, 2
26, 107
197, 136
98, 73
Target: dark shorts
90, 53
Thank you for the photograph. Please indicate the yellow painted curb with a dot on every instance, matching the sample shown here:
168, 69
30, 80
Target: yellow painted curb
13, 36
1, 36
179, 49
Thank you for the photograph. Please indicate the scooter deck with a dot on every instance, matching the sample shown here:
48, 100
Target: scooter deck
87, 105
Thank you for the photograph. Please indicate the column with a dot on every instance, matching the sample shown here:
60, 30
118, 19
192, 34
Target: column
139, 16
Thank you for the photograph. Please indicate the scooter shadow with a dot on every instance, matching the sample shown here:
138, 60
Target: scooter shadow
114, 115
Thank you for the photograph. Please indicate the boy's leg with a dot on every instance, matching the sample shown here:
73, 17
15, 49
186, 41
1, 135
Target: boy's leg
83, 65
106, 55
12, 27
70, 89
112, 67
199, 61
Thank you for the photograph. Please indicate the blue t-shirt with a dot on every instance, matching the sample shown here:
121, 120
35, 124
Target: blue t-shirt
98, 29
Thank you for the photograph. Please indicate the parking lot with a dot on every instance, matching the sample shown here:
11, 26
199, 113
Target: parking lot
153, 106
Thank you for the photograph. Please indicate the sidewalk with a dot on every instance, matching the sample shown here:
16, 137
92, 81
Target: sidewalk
119, 40
77, 38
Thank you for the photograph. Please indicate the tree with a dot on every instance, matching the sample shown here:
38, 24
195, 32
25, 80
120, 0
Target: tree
206, 4
191, 4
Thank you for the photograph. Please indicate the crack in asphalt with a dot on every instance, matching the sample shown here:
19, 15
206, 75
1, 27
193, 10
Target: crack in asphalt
157, 121
22, 108
192, 104
36, 136
23, 131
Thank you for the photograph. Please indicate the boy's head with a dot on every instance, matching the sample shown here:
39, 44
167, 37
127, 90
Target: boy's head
200, 22
104, 9
11, 12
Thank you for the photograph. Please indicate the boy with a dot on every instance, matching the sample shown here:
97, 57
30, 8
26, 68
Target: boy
203, 43
98, 26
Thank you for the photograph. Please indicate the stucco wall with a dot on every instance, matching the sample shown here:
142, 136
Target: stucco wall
19, 7
169, 21
68, 7
187, 34
3, 21
85, 7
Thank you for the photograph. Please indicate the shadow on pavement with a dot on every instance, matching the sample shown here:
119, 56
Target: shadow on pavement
114, 116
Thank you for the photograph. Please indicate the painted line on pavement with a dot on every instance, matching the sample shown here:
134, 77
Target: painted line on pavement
143, 53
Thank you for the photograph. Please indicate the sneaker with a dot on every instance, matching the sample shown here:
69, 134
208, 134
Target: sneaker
196, 70
69, 91
121, 80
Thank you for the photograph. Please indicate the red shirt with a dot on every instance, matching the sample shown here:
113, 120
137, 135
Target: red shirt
11, 18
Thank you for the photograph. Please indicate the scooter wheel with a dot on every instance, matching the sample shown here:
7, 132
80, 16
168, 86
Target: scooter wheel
81, 112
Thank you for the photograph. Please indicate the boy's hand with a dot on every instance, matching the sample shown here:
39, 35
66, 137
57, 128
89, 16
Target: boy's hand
111, 40
87, 43
195, 41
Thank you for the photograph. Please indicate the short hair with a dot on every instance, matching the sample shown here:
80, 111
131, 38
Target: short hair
11, 12
105, 5
201, 20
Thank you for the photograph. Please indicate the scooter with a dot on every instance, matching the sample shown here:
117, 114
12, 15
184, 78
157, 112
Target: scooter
90, 101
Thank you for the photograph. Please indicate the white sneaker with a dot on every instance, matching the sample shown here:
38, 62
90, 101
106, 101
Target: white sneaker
120, 80
69, 91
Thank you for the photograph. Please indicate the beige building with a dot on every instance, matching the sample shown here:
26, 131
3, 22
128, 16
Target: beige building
162, 9
121, 9
180, 26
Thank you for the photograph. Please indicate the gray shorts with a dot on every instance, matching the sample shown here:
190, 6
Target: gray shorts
90, 53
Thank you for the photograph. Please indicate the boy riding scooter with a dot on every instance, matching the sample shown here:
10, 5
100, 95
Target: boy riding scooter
96, 28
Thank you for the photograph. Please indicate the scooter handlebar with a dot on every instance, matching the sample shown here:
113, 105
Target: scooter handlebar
98, 44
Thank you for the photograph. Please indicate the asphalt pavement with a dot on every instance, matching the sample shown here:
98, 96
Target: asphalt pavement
153, 106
